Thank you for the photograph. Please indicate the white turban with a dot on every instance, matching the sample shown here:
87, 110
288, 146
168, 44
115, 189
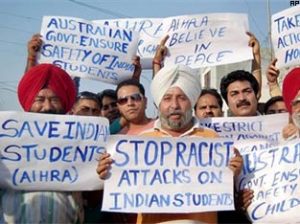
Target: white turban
176, 76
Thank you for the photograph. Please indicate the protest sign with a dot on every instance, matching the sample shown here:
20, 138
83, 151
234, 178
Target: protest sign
249, 133
168, 175
88, 50
50, 152
207, 39
274, 176
286, 37
150, 30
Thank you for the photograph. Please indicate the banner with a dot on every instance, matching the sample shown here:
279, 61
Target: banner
286, 37
249, 133
51, 152
207, 39
88, 50
168, 175
274, 176
150, 30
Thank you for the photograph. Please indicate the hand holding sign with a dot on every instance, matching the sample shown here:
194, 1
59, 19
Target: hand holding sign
104, 166
236, 163
273, 73
161, 52
136, 61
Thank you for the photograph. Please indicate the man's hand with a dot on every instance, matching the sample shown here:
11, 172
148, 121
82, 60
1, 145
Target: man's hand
289, 130
244, 199
104, 166
236, 163
273, 73
136, 61
34, 46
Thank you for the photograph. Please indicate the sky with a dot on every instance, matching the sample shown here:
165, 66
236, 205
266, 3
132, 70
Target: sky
20, 19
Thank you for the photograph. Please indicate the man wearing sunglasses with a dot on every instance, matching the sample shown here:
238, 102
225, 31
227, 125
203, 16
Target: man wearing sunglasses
132, 103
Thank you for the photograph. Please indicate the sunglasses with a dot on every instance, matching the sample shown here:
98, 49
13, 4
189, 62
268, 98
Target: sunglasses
107, 106
136, 97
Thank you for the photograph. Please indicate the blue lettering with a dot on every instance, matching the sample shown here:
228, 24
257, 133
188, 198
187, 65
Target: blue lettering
15, 155
119, 151
4, 127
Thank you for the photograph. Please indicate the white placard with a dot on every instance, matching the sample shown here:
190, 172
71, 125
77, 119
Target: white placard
286, 37
168, 175
249, 133
51, 152
88, 50
273, 174
204, 40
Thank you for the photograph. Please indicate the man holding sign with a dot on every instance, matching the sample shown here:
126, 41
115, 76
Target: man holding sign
175, 91
44, 89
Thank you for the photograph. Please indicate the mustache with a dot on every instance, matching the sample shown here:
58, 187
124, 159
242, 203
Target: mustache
175, 112
50, 112
243, 103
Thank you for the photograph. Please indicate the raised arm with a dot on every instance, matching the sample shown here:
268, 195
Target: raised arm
272, 77
161, 52
33, 48
256, 62
136, 61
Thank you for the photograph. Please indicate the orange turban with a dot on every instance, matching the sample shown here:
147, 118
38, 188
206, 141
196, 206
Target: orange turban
46, 76
290, 87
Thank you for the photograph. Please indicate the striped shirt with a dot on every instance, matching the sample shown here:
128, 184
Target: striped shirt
41, 207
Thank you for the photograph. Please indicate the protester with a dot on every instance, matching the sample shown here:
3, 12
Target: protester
291, 96
275, 105
86, 104
108, 104
239, 89
132, 104
175, 90
44, 89
209, 104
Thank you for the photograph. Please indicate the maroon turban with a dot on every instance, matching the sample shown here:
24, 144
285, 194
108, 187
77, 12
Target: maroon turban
46, 76
290, 87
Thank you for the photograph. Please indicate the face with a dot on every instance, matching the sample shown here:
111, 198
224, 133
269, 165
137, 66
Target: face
86, 107
296, 111
109, 108
207, 106
131, 103
241, 98
46, 101
277, 107
175, 110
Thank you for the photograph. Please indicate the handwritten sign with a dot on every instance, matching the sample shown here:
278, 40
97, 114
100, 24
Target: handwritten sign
286, 36
249, 133
274, 175
207, 39
50, 152
150, 30
88, 50
169, 175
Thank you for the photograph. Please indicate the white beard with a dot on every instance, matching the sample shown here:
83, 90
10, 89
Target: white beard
296, 119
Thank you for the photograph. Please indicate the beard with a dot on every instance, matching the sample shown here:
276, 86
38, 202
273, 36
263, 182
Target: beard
185, 119
296, 119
